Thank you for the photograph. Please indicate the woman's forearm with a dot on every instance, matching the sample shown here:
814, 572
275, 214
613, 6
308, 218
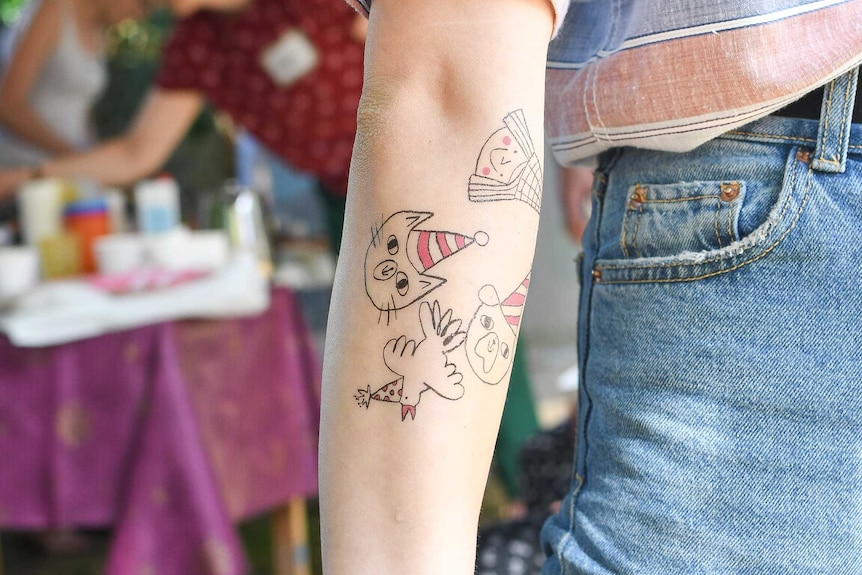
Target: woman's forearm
112, 163
441, 221
22, 73
20, 120
158, 129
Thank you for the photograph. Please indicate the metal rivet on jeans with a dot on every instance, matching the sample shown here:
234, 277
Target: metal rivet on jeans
729, 191
597, 274
638, 197
803, 156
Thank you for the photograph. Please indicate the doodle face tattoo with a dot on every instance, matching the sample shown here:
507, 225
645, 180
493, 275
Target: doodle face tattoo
400, 255
508, 167
501, 157
493, 331
420, 366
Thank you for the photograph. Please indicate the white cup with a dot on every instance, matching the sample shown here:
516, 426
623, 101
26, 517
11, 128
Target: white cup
19, 270
181, 249
169, 250
210, 249
120, 253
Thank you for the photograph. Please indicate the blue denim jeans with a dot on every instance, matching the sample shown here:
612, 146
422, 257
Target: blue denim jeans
720, 418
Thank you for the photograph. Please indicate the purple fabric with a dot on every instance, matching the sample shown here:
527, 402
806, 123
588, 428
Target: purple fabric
170, 433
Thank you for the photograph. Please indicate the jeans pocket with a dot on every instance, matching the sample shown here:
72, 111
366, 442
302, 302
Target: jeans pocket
685, 231
667, 219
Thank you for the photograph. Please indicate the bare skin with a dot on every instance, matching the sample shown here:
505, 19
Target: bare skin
439, 235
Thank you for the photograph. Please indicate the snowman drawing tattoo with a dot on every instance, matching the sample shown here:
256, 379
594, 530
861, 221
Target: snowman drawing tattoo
508, 167
400, 255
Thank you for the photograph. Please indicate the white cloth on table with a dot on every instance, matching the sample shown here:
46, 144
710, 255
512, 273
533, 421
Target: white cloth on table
64, 311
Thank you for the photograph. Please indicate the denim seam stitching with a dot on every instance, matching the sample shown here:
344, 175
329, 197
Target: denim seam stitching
635, 232
582, 430
715, 224
575, 492
775, 136
568, 535
844, 118
580, 481
624, 234
781, 137
730, 233
737, 266
583, 426
681, 200
599, 181
709, 260
822, 140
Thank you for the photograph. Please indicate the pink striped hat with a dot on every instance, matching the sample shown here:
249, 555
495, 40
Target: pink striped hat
433, 246
513, 306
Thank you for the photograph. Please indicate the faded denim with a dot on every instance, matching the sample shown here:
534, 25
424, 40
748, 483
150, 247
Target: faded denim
720, 419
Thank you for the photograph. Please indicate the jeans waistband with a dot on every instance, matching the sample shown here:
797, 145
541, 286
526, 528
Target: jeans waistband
830, 139
790, 131
808, 107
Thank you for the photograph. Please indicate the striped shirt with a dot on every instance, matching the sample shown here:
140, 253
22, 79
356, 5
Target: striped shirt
672, 74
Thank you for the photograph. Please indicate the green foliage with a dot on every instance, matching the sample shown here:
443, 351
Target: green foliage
204, 159
132, 43
10, 10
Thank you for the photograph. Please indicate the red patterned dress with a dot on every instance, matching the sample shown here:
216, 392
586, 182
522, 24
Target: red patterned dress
310, 121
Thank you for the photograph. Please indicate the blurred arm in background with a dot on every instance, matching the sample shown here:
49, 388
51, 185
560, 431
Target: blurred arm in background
31, 54
159, 127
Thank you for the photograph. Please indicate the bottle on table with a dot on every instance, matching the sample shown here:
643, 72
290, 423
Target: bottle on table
87, 220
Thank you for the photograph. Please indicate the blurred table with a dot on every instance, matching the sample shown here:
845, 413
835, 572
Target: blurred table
170, 433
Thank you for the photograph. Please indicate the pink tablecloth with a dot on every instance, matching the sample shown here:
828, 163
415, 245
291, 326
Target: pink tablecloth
170, 433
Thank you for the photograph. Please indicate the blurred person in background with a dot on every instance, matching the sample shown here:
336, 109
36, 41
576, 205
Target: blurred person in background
54, 73
289, 72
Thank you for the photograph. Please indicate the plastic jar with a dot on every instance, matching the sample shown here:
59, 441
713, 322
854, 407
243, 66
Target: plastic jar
157, 203
61, 255
88, 220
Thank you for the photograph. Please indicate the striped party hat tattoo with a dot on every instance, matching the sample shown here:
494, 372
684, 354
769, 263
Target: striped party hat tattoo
400, 255
493, 331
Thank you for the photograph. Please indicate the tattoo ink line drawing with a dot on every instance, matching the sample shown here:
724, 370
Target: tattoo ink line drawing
493, 331
420, 366
400, 255
508, 167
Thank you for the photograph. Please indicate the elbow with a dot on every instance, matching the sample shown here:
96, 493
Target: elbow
379, 98
373, 123
442, 92
143, 159
147, 166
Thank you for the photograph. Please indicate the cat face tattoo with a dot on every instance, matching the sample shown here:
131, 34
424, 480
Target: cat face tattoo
400, 255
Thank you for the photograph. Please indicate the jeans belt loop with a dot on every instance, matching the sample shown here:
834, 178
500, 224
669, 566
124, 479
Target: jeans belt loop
836, 115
